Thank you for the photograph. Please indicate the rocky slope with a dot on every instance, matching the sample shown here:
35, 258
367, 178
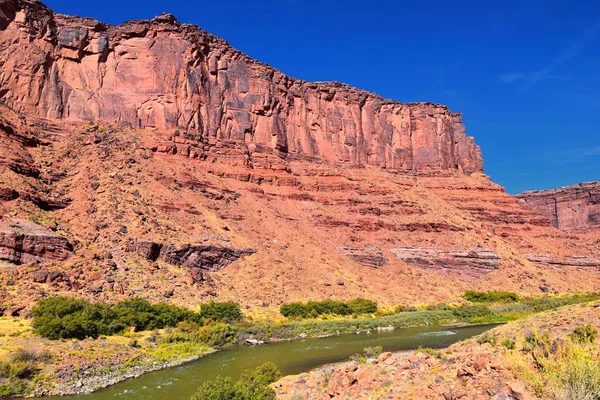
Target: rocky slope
569, 208
179, 169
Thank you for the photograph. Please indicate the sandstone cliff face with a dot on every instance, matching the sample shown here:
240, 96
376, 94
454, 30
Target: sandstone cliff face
569, 208
165, 75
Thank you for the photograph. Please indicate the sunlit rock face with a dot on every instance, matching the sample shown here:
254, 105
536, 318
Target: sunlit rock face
166, 75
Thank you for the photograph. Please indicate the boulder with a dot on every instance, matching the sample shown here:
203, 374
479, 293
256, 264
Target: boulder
23, 241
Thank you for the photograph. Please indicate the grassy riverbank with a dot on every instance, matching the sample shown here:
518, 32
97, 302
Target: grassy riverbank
489, 313
74, 366
551, 355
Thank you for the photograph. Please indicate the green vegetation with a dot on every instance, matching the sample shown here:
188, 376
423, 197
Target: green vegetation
563, 369
368, 352
66, 318
487, 337
504, 312
315, 327
509, 344
23, 366
584, 334
362, 306
490, 297
428, 350
313, 309
253, 385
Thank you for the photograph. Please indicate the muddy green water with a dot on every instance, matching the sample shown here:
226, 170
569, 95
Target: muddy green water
291, 357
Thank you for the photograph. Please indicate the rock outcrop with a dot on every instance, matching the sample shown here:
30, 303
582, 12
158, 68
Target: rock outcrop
568, 261
569, 208
23, 242
196, 258
369, 256
170, 76
467, 263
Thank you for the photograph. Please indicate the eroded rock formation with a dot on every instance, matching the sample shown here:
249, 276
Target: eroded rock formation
196, 258
166, 75
569, 208
467, 263
24, 242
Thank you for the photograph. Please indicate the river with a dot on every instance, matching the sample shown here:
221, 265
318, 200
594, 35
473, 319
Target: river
292, 357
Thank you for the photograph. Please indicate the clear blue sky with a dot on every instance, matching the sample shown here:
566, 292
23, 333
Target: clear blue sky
525, 74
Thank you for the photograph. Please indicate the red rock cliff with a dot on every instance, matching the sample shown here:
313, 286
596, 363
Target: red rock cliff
169, 76
574, 207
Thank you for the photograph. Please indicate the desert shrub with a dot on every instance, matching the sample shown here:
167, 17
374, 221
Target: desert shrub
252, 385
487, 338
400, 308
428, 350
509, 344
563, 370
584, 334
12, 389
490, 297
368, 352
362, 306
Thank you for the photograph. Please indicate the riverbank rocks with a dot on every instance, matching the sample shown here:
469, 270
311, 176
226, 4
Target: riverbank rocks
23, 242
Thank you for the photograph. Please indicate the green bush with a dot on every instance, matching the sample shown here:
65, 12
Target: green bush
222, 388
362, 306
65, 318
490, 297
253, 385
223, 312
584, 334
466, 312
217, 334
294, 310
313, 309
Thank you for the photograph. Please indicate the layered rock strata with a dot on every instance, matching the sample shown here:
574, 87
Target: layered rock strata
468, 263
569, 208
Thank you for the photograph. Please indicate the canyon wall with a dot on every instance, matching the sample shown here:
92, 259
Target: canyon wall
170, 76
569, 208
